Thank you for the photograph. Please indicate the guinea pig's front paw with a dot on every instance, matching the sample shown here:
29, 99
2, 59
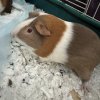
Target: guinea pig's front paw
86, 88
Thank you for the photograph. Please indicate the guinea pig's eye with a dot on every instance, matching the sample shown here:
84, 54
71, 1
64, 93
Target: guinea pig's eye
29, 30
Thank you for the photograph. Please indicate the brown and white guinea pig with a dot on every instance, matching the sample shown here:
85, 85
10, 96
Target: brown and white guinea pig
56, 40
5, 6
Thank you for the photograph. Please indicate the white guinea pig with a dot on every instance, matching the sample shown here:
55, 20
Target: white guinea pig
56, 40
5, 6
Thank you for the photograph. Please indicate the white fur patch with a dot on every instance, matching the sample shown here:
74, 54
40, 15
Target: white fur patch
60, 54
1, 7
43, 13
21, 25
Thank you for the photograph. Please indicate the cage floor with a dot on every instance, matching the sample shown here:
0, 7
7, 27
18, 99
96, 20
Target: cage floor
27, 78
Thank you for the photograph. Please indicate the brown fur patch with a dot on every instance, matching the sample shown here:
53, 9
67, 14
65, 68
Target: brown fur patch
84, 52
56, 28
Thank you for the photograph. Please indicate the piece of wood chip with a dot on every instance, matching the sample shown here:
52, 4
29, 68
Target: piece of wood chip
74, 95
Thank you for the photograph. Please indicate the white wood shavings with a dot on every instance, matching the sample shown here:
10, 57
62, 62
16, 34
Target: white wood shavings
47, 93
31, 79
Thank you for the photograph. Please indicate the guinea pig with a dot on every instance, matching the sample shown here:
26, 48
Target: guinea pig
57, 40
5, 6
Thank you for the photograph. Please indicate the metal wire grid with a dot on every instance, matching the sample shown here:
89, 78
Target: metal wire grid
83, 6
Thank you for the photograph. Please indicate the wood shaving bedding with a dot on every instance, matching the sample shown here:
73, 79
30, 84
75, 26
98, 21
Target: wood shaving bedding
27, 78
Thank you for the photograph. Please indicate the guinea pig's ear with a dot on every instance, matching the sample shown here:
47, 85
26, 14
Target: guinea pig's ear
42, 29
